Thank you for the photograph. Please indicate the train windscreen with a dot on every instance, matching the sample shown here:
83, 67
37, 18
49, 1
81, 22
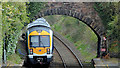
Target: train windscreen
40, 41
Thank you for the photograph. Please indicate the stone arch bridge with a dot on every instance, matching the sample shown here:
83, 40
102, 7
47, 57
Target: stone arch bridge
82, 11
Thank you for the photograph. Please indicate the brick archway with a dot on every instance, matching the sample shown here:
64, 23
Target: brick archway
81, 11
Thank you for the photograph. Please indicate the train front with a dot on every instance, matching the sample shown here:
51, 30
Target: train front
39, 42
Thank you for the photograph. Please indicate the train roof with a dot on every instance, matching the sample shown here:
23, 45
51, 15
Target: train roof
38, 22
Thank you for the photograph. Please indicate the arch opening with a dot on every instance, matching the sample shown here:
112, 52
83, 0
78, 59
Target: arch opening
77, 32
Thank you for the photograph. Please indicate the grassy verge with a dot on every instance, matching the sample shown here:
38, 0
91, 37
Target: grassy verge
14, 59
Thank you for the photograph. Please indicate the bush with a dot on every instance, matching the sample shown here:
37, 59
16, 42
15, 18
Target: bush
14, 17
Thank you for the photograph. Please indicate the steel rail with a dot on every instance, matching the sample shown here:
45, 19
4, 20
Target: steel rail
64, 64
79, 61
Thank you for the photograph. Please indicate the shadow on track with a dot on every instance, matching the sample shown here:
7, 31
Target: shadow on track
27, 64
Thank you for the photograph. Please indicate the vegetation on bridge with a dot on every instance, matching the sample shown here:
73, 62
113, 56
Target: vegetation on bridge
35, 7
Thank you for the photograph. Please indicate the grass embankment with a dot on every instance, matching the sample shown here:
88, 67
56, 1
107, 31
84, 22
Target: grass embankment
17, 57
14, 59
76, 32
20, 53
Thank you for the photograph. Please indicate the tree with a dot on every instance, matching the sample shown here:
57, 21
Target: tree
35, 7
14, 17
108, 11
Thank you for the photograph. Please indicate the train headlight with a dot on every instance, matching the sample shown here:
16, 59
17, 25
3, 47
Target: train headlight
31, 51
48, 51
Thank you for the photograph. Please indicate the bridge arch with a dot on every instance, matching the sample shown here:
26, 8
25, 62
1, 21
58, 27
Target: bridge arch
79, 11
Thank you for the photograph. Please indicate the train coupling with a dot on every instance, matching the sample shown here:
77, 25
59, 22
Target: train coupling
40, 60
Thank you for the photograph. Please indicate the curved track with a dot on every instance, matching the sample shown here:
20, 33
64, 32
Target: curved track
69, 57
63, 56
58, 61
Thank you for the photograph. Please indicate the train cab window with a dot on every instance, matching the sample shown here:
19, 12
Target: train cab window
34, 41
44, 41
40, 41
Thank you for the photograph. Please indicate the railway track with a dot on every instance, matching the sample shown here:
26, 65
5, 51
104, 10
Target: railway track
69, 58
58, 61
64, 57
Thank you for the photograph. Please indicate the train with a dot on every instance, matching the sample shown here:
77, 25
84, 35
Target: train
39, 38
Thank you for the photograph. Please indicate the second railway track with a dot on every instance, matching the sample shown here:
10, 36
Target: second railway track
68, 56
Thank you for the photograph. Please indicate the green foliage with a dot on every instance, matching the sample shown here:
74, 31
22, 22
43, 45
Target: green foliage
68, 36
14, 17
108, 11
57, 27
85, 50
113, 28
113, 31
1, 46
109, 14
35, 7
14, 59
105, 10
113, 48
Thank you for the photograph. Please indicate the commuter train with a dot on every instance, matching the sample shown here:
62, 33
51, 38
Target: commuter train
39, 42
